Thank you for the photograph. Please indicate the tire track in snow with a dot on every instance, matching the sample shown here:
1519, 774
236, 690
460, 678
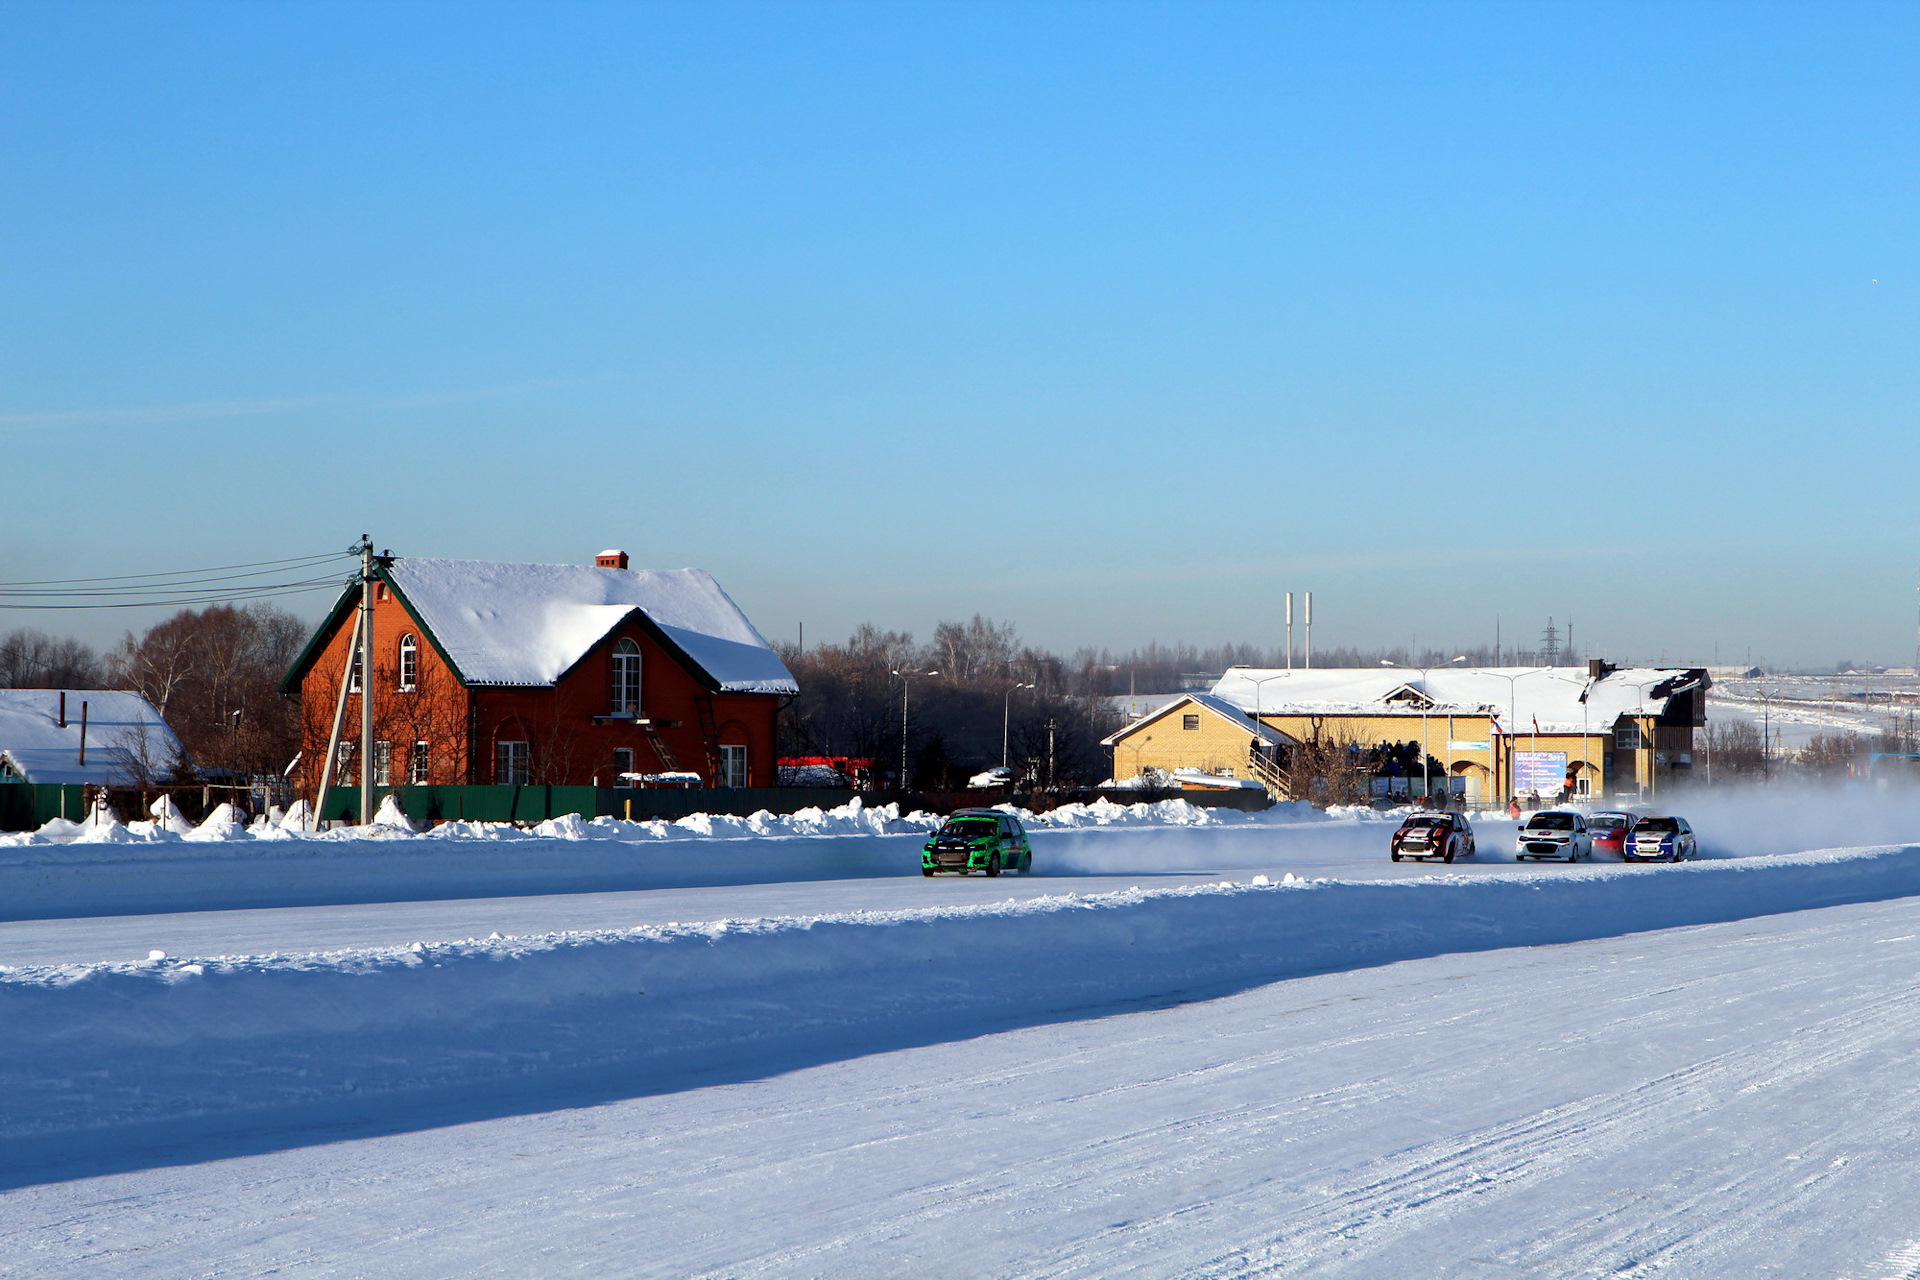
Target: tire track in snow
1401, 1193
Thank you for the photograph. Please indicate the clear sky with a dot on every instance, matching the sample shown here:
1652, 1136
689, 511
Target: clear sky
1111, 320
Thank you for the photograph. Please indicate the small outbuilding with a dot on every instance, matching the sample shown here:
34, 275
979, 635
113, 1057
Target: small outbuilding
82, 737
1199, 740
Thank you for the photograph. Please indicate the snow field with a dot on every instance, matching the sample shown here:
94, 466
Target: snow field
174, 1047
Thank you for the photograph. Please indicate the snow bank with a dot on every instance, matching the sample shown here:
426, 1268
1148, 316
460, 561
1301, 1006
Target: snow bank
205, 1043
852, 818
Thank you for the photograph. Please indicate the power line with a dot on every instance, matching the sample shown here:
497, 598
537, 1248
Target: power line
158, 588
175, 573
261, 591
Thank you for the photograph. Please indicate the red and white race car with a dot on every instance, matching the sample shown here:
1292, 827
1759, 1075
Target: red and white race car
1445, 836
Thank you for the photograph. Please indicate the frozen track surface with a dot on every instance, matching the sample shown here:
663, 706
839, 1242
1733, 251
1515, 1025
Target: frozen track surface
1728, 1100
1066, 862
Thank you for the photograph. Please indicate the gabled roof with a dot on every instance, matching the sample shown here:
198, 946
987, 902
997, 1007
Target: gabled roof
529, 624
1221, 707
124, 735
1562, 699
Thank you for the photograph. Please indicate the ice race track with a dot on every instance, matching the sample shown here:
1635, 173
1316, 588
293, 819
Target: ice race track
1228, 1047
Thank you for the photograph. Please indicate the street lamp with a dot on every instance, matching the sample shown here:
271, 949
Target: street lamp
1766, 736
1278, 675
1426, 706
1513, 716
1640, 688
906, 683
1006, 721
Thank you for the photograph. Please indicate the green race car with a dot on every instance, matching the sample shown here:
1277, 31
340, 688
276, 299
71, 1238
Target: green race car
978, 840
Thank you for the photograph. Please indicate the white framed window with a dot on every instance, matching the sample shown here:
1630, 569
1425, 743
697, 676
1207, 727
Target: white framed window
1583, 785
383, 764
511, 761
733, 766
354, 664
1191, 721
343, 764
1626, 736
626, 678
409, 663
622, 764
417, 765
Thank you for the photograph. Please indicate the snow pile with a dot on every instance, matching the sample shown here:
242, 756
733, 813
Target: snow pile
164, 815
210, 1041
853, 818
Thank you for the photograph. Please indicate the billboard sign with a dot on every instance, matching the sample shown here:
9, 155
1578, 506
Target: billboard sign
1543, 772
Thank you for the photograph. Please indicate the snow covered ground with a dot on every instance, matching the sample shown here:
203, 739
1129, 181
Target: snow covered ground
1355, 1068
1794, 709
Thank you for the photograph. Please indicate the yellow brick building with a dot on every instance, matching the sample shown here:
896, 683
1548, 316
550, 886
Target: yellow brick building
1485, 734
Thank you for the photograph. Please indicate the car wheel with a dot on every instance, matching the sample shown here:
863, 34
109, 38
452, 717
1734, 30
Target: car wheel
1448, 855
926, 871
993, 865
1026, 864
1396, 855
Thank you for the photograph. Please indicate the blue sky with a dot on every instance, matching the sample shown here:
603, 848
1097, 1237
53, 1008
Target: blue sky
1115, 321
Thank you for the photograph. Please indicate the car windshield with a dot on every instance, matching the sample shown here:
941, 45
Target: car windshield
972, 828
1659, 824
1550, 822
1606, 822
1425, 821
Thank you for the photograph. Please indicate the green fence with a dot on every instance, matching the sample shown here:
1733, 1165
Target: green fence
26, 806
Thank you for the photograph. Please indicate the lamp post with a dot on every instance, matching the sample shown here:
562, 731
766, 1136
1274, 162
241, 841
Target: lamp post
1513, 715
1279, 675
906, 683
1766, 736
1006, 723
1426, 706
1640, 688
1586, 733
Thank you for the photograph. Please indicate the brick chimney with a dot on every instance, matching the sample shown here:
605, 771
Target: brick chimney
611, 560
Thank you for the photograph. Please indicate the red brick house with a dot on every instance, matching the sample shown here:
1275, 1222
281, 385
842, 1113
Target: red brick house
548, 674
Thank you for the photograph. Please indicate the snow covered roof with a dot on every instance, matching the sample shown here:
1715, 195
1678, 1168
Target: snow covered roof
527, 624
1222, 707
124, 734
1562, 699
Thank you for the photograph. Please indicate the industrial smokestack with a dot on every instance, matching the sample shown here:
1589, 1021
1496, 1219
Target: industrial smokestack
1309, 621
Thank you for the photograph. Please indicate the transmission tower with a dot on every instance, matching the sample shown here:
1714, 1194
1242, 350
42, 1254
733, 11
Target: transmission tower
1550, 645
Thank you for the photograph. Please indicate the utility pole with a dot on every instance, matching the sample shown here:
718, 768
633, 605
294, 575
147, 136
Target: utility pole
906, 683
366, 679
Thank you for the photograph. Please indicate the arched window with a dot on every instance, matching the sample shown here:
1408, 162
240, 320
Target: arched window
409, 662
626, 678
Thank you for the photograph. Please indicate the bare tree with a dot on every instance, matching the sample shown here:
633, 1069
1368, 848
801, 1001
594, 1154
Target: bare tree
32, 659
214, 676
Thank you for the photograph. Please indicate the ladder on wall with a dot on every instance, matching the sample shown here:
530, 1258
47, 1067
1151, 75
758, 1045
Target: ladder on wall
709, 735
660, 748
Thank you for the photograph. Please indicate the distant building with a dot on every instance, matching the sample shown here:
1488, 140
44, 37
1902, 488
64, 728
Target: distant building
102, 737
1197, 740
523, 674
1491, 733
